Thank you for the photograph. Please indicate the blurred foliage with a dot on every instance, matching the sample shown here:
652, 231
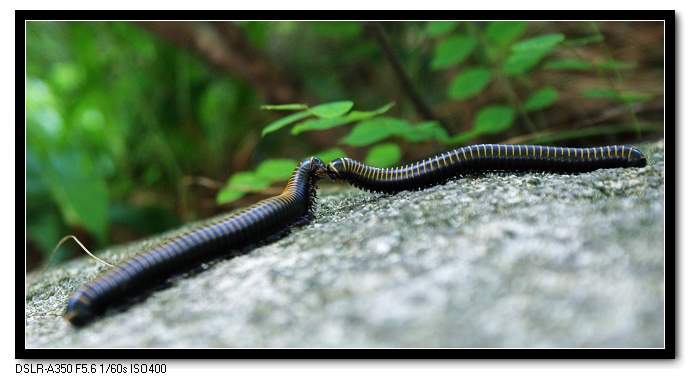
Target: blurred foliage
129, 134
115, 118
501, 57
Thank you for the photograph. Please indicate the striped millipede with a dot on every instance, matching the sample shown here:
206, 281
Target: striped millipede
267, 218
476, 158
293, 206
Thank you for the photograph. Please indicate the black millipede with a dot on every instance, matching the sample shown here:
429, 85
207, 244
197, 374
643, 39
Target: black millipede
477, 158
267, 218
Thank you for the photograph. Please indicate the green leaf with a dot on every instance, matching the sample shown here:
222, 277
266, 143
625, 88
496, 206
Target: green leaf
494, 119
383, 155
330, 154
276, 169
469, 83
325, 123
541, 99
425, 131
567, 64
374, 130
248, 181
80, 193
275, 125
330, 110
520, 63
503, 33
540, 43
526, 54
366, 114
436, 28
228, 195
318, 124
452, 51
241, 183
285, 107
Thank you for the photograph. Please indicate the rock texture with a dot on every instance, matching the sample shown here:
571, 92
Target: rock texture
498, 260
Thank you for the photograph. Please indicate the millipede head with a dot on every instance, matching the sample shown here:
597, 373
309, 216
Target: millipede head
639, 160
336, 169
315, 166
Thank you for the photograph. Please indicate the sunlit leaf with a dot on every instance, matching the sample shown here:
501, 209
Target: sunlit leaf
541, 99
469, 83
248, 181
494, 119
452, 51
275, 125
318, 124
503, 33
520, 63
383, 155
374, 130
540, 43
326, 123
241, 183
330, 110
285, 107
526, 54
228, 195
276, 169
425, 131
359, 115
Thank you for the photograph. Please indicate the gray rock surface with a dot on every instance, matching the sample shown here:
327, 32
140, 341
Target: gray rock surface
499, 260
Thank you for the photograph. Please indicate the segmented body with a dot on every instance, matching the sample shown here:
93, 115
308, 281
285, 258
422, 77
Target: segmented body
475, 158
262, 220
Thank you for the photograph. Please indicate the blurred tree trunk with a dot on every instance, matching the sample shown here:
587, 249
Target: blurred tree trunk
225, 45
